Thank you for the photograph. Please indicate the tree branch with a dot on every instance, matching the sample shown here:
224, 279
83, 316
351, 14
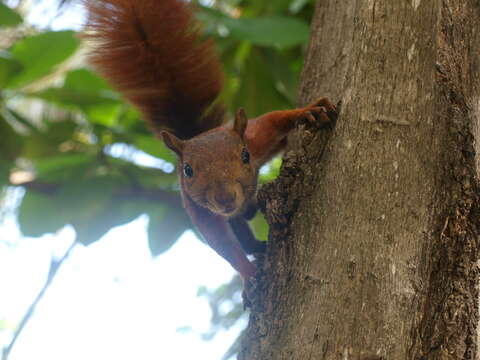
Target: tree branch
133, 192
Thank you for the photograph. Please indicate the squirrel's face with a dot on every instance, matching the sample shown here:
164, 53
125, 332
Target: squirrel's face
217, 172
216, 168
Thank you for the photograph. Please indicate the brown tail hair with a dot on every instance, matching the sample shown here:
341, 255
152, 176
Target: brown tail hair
151, 51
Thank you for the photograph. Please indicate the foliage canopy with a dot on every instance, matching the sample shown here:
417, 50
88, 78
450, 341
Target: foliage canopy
84, 156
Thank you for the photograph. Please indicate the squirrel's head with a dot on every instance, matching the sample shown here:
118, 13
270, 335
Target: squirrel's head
215, 167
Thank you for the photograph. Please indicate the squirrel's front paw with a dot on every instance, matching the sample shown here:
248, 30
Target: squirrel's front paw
322, 112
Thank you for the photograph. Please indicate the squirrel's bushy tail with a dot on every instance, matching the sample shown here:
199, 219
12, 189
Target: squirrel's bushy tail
151, 51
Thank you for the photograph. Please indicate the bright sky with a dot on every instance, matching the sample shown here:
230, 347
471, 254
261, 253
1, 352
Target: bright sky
110, 300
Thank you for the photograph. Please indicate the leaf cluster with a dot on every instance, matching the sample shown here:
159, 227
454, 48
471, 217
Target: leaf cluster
85, 157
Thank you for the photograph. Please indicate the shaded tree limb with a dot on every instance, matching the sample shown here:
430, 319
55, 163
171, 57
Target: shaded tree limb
169, 198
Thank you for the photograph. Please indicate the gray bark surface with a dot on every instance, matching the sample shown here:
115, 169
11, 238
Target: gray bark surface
375, 224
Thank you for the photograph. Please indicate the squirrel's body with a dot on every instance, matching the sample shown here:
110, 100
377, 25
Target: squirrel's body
150, 51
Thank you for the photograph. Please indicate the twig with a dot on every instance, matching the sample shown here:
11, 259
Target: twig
54, 266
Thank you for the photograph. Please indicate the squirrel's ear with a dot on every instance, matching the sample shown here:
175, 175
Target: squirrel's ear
172, 142
240, 123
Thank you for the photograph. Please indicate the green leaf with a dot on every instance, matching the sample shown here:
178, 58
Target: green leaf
260, 227
93, 204
9, 67
60, 131
87, 80
4, 174
274, 31
63, 168
62, 199
285, 78
297, 5
268, 7
145, 177
94, 226
165, 228
73, 98
257, 92
103, 110
39, 145
87, 204
40, 54
89, 193
39, 214
82, 88
123, 209
270, 171
129, 118
9, 17
154, 147
11, 144
104, 114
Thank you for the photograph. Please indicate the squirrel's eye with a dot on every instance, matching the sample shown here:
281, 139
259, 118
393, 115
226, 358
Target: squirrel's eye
245, 156
187, 170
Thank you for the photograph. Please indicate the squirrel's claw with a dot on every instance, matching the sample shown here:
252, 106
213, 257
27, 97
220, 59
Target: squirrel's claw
322, 111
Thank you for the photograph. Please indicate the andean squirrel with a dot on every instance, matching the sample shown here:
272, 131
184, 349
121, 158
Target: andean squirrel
152, 52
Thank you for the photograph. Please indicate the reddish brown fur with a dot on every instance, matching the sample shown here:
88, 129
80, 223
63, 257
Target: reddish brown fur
215, 157
151, 52
219, 176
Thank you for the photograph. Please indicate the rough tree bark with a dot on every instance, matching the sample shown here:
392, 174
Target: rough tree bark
375, 225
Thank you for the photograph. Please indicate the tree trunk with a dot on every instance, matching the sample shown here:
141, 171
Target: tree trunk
375, 225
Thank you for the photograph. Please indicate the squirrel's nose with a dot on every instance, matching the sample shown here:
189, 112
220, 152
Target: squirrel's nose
226, 199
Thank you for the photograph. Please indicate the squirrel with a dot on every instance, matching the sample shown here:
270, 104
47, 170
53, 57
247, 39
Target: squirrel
153, 53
